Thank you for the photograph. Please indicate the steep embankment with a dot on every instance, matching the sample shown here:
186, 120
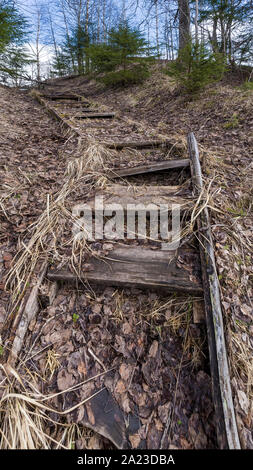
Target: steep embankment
33, 166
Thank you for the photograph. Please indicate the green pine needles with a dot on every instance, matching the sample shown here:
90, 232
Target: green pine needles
196, 67
122, 59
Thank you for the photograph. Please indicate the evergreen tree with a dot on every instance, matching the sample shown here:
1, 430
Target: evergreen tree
124, 56
196, 67
13, 31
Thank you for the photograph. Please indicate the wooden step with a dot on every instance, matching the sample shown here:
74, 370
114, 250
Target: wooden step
141, 268
62, 97
125, 195
95, 116
142, 144
150, 168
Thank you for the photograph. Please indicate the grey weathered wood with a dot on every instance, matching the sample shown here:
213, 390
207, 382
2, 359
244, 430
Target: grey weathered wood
137, 267
150, 168
56, 115
47, 293
125, 195
142, 144
95, 116
198, 308
27, 314
62, 97
227, 433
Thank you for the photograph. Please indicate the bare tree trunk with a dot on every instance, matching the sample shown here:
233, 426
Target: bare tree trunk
171, 41
184, 23
214, 35
38, 46
53, 36
87, 18
68, 36
104, 25
98, 20
157, 28
196, 21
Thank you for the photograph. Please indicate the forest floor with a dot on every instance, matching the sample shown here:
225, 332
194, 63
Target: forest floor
65, 341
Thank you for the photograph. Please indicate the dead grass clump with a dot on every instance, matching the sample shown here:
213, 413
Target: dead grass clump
25, 415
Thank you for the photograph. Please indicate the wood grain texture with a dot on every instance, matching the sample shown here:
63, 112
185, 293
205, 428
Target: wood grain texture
95, 116
138, 267
227, 433
142, 144
150, 168
126, 195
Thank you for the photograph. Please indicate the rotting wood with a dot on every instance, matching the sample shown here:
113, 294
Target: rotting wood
95, 116
103, 415
227, 433
30, 310
142, 144
62, 97
56, 115
150, 168
47, 293
140, 268
198, 308
145, 195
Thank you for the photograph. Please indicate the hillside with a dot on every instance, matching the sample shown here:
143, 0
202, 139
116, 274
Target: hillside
35, 154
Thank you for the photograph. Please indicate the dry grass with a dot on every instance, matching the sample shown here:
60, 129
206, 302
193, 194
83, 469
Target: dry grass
25, 415
85, 170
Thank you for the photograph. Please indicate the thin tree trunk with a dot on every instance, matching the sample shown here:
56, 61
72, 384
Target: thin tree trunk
171, 41
157, 28
38, 46
87, 18
196, 22
53, 37
104, 25
68, 36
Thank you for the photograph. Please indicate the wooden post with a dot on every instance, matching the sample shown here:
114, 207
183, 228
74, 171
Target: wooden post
227, 433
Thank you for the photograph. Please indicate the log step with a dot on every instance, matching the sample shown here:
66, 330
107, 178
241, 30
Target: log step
150, 168
62, 97
95, 116
140, 144
125, 195
140, 268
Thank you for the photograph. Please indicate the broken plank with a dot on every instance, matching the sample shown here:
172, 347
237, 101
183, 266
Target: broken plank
138, 267
227, 432
103, 415
95, 116
138, 144
47, 293
198, 312
26, 314
150, 168
126, 195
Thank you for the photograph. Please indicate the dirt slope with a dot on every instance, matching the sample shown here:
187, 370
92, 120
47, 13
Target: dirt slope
33, 166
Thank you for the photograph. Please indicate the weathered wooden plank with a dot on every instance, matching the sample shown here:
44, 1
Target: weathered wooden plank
62, 97
142, 144
95, 116
138, 267
55, 114
198, 308
150, 168
227, 433
103, 415
126, 195
26, 315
